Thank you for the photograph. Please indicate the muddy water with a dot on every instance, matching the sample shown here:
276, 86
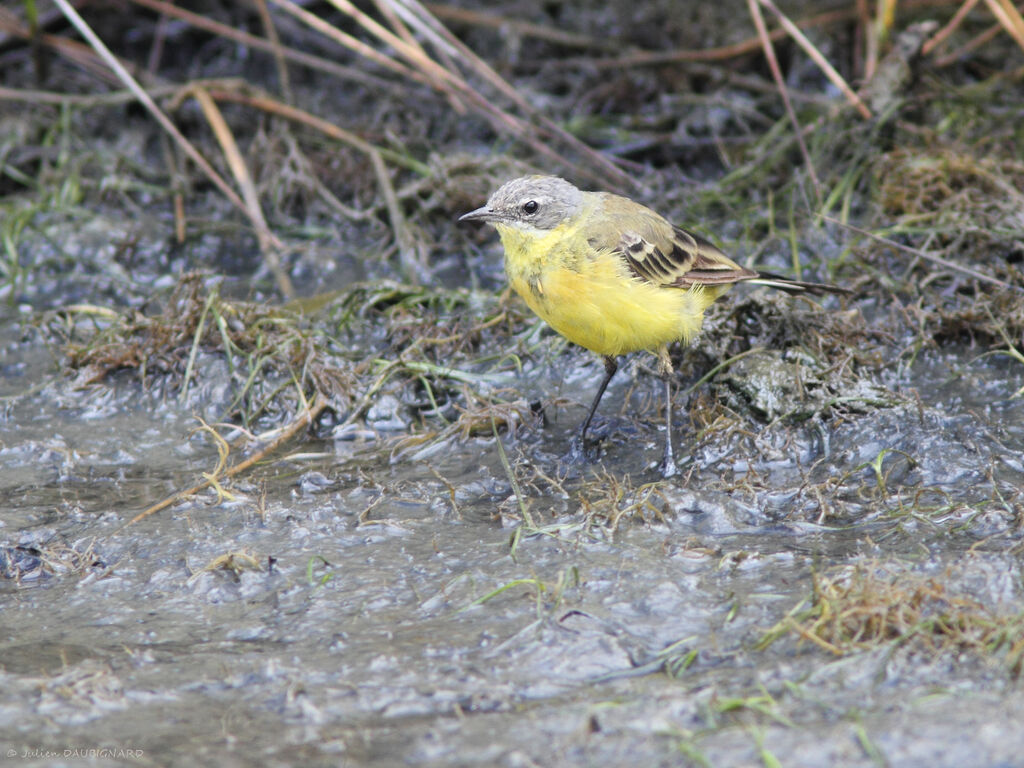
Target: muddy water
341, 609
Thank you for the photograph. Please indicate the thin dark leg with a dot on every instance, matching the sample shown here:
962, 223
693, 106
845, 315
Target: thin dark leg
610, 367
668, 464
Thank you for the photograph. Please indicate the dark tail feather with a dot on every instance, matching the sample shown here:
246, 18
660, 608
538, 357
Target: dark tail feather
796, 286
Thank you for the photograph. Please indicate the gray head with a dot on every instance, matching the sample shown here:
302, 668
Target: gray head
530, 202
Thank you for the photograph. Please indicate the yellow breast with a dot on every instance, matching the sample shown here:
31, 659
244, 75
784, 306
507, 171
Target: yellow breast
592, 298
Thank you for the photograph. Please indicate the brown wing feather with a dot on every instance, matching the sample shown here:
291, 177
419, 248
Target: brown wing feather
659, 252
667, 255
705, 264
789, 285
655, 250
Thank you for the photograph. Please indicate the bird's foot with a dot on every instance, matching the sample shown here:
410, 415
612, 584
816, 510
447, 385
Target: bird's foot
668, 466
581, 450
587, 450
573, 463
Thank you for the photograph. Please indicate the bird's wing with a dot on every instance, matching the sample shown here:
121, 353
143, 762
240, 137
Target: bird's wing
656, 251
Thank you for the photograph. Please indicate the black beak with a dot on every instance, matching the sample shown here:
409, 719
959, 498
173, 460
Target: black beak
480, 214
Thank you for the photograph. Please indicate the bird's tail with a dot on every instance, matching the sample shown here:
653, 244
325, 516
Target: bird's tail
796, 286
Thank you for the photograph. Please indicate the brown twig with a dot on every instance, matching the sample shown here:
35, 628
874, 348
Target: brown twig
973, 44
1009, 17
773, 64
722, 53
516, 26
72, 50
444, 40
302, 420
270, 246
424, 69
925, 255
827, 69
146, 100
276, 49
412, 267
260, 44
275, 107
951, 26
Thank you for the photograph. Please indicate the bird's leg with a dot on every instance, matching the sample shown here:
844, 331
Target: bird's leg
668, 463
580, 441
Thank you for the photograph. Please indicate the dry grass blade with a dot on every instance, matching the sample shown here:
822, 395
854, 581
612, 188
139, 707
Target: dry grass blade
425, 70
300, 422
72, 50
866, 44
1010, 19
773, 64
276, 48
815, 55
109, 99
388, 12
722, 53
260, 44
979, 40
450, 79
50, 97
275, 107
444, 40
415, 271
523, 28
86, 31
973, 44
926, 256
270, 246
348, 41
404, 43
951, 26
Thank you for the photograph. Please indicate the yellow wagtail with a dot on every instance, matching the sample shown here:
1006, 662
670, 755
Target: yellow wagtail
612, 275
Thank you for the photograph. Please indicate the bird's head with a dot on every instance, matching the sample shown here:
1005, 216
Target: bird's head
530, 203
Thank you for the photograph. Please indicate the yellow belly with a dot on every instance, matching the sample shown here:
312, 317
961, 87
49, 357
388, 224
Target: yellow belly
593, 300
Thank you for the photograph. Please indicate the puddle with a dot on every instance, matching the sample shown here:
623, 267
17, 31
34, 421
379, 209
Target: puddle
377, 613
419, 577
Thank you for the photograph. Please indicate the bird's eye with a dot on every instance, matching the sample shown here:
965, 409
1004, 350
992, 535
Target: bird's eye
530, 207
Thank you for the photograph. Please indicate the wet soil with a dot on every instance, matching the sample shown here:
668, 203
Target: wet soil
421, 576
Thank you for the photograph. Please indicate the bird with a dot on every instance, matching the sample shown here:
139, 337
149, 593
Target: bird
613, 276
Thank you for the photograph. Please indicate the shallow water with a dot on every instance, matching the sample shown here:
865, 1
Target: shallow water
371, 614
357, 601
